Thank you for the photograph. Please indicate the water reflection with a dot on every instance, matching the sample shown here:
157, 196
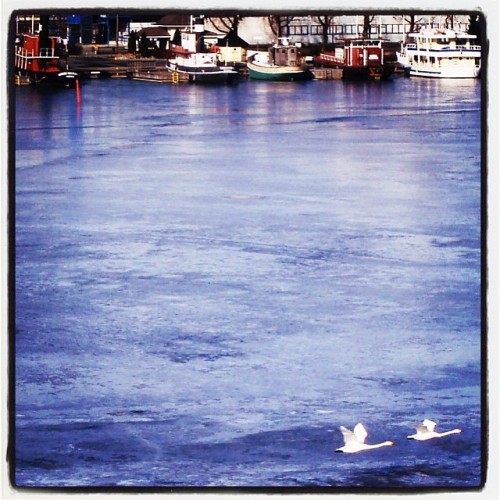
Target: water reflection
43, 105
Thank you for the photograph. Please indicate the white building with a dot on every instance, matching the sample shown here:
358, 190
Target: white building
308, 29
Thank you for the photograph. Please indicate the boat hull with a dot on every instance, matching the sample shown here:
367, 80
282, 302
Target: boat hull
278, 73
427, 71
363, 72
367, 72
212, 75
60, 78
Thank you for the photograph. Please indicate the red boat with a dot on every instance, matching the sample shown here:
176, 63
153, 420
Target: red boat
40, 61
359, 59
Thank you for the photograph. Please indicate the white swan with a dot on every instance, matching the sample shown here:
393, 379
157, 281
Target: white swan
426, 431
355, 440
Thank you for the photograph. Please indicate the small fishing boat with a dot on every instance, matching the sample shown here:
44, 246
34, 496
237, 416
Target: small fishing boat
282, 62
38, 59
359, 59
441, 53
193, 59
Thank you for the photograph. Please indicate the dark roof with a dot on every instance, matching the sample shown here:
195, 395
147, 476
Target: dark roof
174, 20
154, 32
233, 40
211, 33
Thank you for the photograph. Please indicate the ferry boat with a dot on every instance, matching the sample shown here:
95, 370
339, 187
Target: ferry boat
193, 59
441, 53
40, 61
359, 59
282, 62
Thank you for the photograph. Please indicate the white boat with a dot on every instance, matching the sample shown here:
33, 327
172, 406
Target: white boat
202, 68
200, 64
441, 53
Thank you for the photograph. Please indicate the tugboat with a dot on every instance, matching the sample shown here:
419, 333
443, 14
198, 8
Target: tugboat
281, 63
37, 58
193, 59
359, 59
441, 53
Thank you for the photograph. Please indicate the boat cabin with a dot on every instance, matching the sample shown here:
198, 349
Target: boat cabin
362, 53
283, 53
434, 39
36, 57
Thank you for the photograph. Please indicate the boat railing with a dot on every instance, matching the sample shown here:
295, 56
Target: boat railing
469, 47
46, 52
31, 54
458, 47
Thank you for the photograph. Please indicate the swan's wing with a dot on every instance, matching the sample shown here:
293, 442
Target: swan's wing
360, 433
422, 429
349, 436
429, 425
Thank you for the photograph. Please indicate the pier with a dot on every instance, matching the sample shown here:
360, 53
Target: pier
104, 65
98, 66
327, 73
154, 71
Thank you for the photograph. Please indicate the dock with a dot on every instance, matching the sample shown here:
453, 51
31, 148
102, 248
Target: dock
152, 71
327, 73
98, 66
94, 66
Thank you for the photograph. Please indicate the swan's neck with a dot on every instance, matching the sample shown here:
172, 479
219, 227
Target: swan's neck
447, 433
380, 445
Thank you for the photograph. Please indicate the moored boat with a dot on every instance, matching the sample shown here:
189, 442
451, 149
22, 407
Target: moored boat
193, 59
38, 58
359, 59
441, 53
282, 62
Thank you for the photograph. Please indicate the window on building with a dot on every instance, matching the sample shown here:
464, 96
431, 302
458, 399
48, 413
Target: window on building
298, 30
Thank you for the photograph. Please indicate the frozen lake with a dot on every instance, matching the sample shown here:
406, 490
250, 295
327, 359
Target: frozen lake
211, 280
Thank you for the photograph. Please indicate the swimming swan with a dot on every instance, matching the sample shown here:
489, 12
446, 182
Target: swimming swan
355, 440
426, 431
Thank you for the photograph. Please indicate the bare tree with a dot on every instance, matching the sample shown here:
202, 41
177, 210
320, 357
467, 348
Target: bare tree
226, 24
367, 22
411, 20
475, 27
279, 24
326, 23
